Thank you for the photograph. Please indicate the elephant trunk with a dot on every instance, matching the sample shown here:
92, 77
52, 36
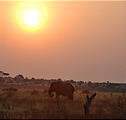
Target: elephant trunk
50, 93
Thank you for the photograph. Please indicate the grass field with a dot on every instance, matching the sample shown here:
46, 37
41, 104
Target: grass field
32, 104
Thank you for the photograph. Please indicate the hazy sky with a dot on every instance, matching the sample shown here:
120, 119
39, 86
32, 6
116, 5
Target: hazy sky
80, 41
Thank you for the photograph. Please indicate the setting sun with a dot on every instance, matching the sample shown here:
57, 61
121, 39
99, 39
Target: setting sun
31, 17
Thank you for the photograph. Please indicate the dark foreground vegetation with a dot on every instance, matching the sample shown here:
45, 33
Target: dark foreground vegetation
23, 98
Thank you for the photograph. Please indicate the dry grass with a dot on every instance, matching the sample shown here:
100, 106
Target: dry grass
23, 105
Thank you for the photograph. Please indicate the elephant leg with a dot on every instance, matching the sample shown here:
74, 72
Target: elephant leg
57, 101
71, 97
57, 98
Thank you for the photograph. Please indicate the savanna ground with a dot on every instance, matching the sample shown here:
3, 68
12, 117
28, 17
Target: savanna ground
28, 103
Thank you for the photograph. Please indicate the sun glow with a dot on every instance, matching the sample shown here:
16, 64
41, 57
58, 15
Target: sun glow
31, 17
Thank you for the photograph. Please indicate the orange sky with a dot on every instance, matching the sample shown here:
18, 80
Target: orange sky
80, 41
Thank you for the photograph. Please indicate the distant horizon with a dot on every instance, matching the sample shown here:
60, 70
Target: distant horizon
48, 78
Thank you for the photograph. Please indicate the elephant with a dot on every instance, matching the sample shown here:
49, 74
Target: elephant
61, 88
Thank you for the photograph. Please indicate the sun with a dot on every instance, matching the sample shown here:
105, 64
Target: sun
31, 17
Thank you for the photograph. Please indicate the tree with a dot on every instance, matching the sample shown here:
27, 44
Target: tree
3, 74
88, 103
90, 83
19, 77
